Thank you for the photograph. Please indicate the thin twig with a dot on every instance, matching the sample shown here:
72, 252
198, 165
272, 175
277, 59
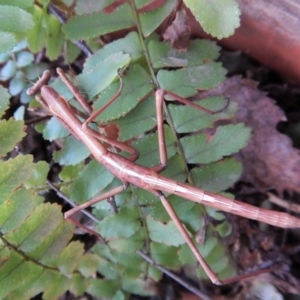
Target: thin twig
284, 203
80, 44
173, 276
65, 197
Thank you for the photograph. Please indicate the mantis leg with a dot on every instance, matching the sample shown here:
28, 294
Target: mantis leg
102, 197
159, 100
212, 276
123, 146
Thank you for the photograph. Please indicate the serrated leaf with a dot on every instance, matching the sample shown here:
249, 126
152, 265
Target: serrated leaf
217, 176
88, 264
72, 153
39, 175
22, 19
69, 258
219, 19
84, 7
8, 41
92, 179
151, 20
137, 84
19, 3
124, 224
4, 101
163, 55
141, 286
143, 116
107, 268
148, 148
130, 44
167, 234
96, 79
129, 244
227, 140
54, 130
13, 173
99, 23
165, 255
70, 172
185, 82
187, 119
103, 288
16, 209
180, 205
35, 230
7, 139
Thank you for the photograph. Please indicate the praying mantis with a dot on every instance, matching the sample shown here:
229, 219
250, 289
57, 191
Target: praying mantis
145, 178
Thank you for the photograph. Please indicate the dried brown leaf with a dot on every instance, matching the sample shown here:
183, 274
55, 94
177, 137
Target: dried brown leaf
269, 160
178, 33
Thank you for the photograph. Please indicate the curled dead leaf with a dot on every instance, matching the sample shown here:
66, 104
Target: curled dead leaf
269, 160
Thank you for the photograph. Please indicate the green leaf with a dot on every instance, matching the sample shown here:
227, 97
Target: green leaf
16, 209
8, 41
4, 57
219, 19
151, 20
36, 255
180, 205
143, 116
148, 148
140, 286
100, 23
227, 140
70, 172
130, 44
108, 268
37, 35
124, 224
88, 264
39, 175
4, 102
103, 288
165, 255
167, 234
129, 244
84, 7
54, 130
185, 82
92, 179
187, 119
24, 58
217, 176
8, 70
163, 55
14, 172
17, 84
96, 79
55, 38
19, 3
137, 84
72, 153
22, 20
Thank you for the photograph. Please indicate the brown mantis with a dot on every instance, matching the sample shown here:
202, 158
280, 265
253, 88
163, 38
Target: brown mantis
146, 178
